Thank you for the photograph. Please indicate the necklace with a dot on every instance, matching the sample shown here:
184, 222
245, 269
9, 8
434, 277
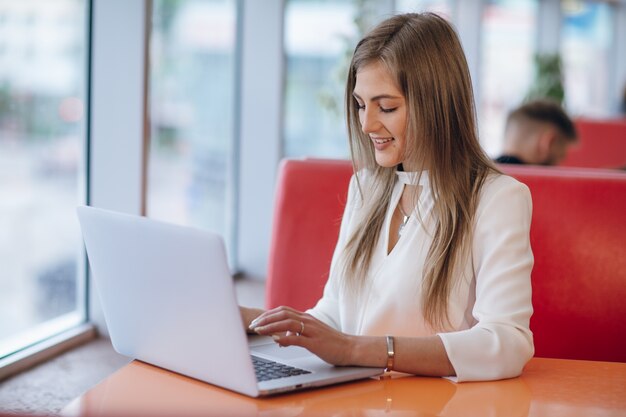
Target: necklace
405, 219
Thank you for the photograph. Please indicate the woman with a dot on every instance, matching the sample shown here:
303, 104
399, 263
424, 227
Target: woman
431, 273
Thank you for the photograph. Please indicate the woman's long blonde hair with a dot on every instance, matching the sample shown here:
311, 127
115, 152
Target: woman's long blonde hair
425, 57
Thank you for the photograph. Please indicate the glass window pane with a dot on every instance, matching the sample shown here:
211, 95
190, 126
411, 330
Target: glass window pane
320, 36
192, 82
508, 42
586, 34
42, 138
441, 7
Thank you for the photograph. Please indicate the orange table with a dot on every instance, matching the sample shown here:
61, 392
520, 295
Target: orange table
548, 387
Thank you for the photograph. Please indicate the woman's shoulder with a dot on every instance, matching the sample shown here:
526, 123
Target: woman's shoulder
503, 201
365, 175
503, 189
363, 178
364, 186
497, 183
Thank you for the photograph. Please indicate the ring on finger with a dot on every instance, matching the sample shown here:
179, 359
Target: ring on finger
301, 332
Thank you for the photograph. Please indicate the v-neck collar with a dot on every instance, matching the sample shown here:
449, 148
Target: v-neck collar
413, 178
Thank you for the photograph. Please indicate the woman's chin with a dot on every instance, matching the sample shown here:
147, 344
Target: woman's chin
386, 161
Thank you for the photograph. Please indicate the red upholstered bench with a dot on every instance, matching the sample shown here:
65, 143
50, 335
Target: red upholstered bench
578, 235
602, 144
309, 202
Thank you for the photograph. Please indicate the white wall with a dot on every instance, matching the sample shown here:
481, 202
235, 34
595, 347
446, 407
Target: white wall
619, 65
117, 111
261, 129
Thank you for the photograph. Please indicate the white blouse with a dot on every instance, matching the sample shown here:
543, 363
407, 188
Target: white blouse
490, 305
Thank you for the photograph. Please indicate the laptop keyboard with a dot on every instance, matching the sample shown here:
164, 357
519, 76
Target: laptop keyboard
266, 369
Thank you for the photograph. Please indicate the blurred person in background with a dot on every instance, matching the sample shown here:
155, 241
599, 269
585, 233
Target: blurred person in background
539, 133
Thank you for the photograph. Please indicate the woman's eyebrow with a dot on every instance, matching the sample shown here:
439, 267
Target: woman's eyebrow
378, 97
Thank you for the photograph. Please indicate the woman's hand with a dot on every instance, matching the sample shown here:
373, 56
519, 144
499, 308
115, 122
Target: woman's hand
415, 355
248, 315
291, 327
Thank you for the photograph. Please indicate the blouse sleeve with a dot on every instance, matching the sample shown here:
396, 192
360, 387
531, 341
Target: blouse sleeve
500, 343
327, 308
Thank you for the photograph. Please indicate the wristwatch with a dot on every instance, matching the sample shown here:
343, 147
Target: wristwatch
390, 354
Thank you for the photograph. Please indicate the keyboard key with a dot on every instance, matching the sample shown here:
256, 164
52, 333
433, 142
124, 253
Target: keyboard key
267, 370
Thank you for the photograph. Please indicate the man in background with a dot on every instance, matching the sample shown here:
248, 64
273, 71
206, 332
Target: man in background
539, 133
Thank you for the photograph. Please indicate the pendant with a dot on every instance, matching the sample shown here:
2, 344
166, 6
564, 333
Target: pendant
404, 222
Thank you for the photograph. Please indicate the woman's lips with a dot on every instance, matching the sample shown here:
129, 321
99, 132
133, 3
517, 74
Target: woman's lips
381, 143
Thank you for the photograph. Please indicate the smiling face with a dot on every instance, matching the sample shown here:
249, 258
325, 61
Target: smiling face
382, 113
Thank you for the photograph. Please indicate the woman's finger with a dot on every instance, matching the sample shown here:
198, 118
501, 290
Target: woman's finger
281, 313
281, 309
292, 340
264, 316
283, 326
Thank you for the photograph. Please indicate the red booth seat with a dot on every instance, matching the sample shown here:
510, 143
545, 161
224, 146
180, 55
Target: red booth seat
309, 202
601, 144
578, 236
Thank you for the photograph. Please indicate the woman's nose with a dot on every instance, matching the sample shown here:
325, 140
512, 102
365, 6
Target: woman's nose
369, 121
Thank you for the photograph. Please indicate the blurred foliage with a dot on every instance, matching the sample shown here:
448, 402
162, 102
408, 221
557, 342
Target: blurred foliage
31, 116
4, 99
165, 11
548, 82
331, 97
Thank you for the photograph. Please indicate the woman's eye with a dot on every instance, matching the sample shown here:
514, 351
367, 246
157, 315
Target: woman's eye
384, 110
360, 107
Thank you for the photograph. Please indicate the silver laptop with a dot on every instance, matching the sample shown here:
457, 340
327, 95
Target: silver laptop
168, 299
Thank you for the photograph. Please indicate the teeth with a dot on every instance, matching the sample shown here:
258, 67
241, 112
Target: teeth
381, 141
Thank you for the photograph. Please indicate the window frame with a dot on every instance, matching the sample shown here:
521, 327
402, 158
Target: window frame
57, 341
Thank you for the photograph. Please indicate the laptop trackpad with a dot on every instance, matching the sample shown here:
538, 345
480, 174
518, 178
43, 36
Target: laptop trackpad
290, 352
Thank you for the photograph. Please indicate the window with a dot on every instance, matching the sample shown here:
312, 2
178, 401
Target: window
192, 99
586, 33
42, 143
508, 42
440, 7
320, 36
